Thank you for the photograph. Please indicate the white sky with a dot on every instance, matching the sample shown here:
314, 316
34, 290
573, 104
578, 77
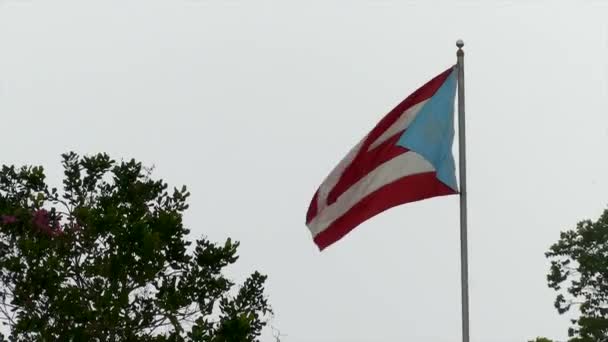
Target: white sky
251, 103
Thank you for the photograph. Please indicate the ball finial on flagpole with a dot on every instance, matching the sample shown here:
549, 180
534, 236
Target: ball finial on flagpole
459, 44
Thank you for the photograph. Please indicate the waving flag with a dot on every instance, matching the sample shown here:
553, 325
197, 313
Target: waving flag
407, 157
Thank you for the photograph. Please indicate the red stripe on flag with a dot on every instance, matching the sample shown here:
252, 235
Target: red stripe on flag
408, 189
365, 164
312, 208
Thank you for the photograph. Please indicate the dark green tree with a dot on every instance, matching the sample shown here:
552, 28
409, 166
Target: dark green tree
107, 259
541, 339
579, 273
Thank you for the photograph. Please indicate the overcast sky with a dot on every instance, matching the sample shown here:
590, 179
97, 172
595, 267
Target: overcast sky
252, 103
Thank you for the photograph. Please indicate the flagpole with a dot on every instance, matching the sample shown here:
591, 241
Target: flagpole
464, 262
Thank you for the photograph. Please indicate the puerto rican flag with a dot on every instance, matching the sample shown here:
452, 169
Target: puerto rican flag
407, 157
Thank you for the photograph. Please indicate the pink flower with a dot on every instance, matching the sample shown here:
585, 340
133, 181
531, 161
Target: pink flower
42, 222
8, 219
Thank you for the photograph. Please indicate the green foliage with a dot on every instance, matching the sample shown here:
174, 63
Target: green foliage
107, 259
579, 273
541, 339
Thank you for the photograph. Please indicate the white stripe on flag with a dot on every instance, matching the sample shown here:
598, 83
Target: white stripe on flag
333, 178
400, 125
407, 164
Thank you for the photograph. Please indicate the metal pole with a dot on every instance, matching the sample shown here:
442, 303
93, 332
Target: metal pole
464, 262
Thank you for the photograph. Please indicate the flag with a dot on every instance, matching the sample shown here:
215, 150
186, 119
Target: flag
406, 157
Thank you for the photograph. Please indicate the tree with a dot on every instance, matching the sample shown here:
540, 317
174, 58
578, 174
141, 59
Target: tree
107, 259
579, 273
541, 339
